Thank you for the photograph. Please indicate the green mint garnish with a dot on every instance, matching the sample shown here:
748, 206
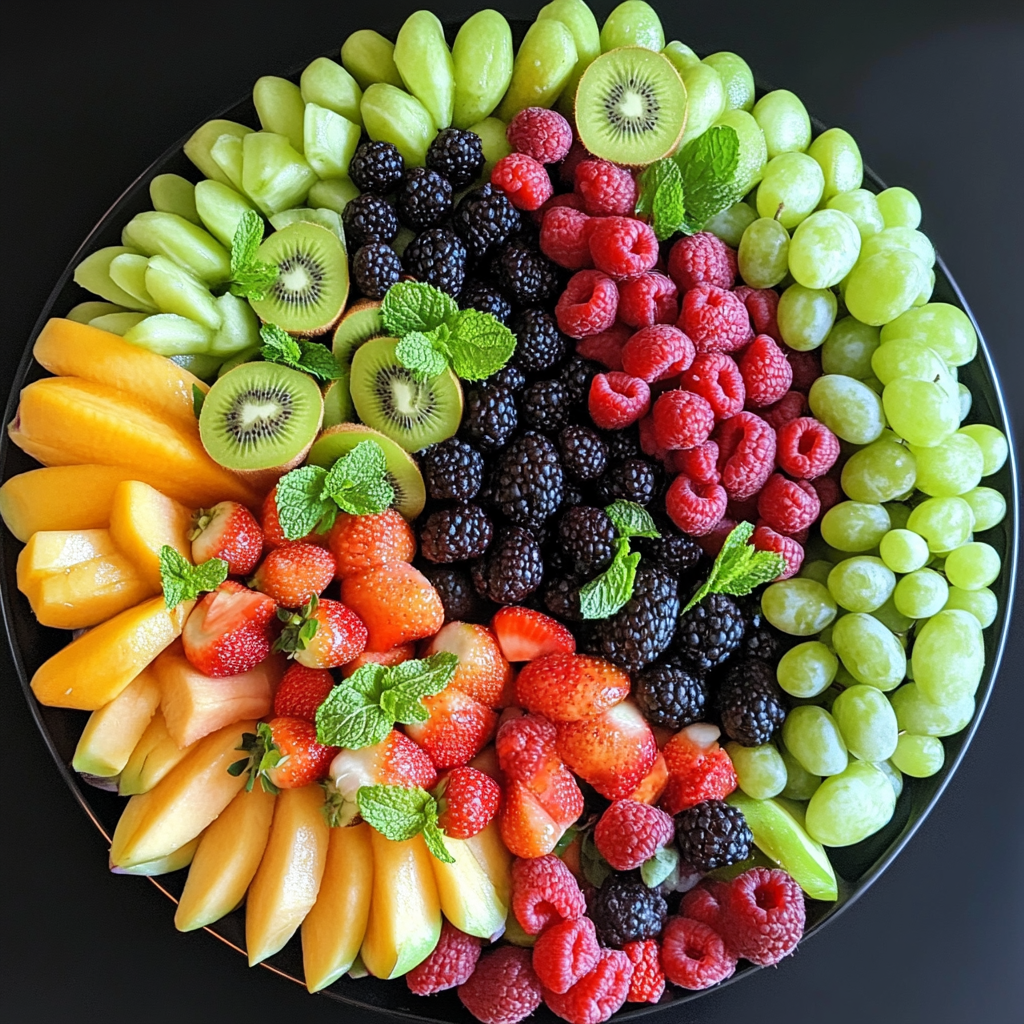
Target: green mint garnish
739, 567
361, 710
661, 197
656, 869
399, 814
308, 356
411, 306
611, 591
631, 520
198, 397
182, 581
251, 278
262, 755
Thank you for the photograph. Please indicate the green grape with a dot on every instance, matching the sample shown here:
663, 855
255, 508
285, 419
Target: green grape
904, 551
753, 152
176, 290
369, 57
118, 323
921, 594
274, 173
705, 99
227, 153
850, 409
992, 442
763, 253
737, 78
798, 607
901, 238
839, 157
973, 566
84, 312
862, 583
329, 85
966, 400
239, 329
824, 248
851, 806
579, 19
884, 285
816, 570
988, 506
167, 234
633, 23
805, 316
393, 115
680, 54
854, 526
812, 736
919, 756
899, 207
982, 604
168, 334
867, 721
861, 207
279, 107
910, 359
790, 189
494, 140
849, 347
945, 523
892, 773
879, 472
334, 194
898, 514
783, 119
800, 783
426, 66
920, 411
542, 68
942, 327
220, 209
732, 222
807, 669
869, 651
949, 657
482, 58
760, 771
330, 140
171, 193
200, 145
916, 714
952, 467
890, 617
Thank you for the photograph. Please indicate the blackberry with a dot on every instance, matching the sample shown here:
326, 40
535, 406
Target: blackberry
529, 482
587, 536
572, 496
510, 377
762, 642
633, 480
424, 200
457, 154
636, 634
485, 218
375, 268
512, 569
577, 376
712, 835
368, 218
437, 257
458, 595
750, 606
490, 416
486, 298
750, 703
452, 470
540, 345
675, 552
623, 444
709, 632
625, 910
670, 696
545, 406
583, 452
376, 167
456, 534
562, 598
525, 274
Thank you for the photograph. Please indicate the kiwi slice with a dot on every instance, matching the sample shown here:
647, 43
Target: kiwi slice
631, 106
338, 407
389, 398
261, 416
360, 323
312, 279
403, 473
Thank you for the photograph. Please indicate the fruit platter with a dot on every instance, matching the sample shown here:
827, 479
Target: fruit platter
513, 521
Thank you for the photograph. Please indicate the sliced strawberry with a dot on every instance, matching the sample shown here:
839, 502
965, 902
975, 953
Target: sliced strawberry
404, 652
567, 687
360, 543
229, 630
294, 573
653, 784
527, 830
524, 634
229, 531
323, 634
699, 769
482, 671
284, 754
273, 534
457, 730
396, 602
467, 800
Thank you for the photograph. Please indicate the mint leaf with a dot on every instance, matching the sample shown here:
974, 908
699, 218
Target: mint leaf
182, 581
653, 177
660, 198
656, 869
410, 681
434, 838
708, 166
420, 353
250, 277
301, 506
307, 356
595, 868
400, 813
739, 567
357, 482
413, 306
631, 519
318, 361
479, 345
610, 591
198, 397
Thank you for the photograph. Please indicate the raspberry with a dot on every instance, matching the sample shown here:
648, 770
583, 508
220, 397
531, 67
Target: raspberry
716, 377
524, 746
566, 952
746, 453
544, 892
588, 304
504, 988
576, 155
806, 448
791, 405
704, 902
766, 372
828, 491
711, 543
695, 508
523, 180
696, 772
623, 247
682, 419
715, 319
616, 400
605, 348
702, 259
607, 190
598, 994
700, 463
657, 352
648, 981
451, 963
648, 439
630, 833
806, 368
542, 134
788, 506
693, 955
564, 236
646, 299
763, 915
762, 304
765, 538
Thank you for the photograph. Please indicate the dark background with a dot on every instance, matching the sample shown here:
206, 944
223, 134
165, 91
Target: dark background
933, 90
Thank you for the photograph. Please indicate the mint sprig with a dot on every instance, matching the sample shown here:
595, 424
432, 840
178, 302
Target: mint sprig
608, 593
400, 813
251, 277
307, 356
660, 197
739, 567
412, 306
182, 581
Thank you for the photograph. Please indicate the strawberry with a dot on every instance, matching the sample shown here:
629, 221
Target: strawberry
294, 573
273, 535
359, 543
482, 671
699, 769
302, 691
229, 630
567, 687
403, 652
457, 729
612, 751
229, 531
653, 784
467, 800
322, 634
396, 602
526, 828
524, 634
284, 754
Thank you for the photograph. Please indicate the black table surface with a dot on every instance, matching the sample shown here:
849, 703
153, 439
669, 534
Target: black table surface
933, 92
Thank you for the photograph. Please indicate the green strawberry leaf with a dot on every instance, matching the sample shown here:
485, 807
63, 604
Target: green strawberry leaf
610, 591
262, 756
631, 519
301, 505
400, 813
183, 581
413, 306
299, 627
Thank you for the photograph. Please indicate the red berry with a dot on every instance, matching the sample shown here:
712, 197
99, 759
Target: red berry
588, 304
807, 448
711, 543
294, 573
565, 952
716, 377
228, 531
229, 630
523, 179
657, 353
630, 833
302, 691
828, 491
616, 400
451, 963
682, 419
762, 305
598, 994
766, 372
302, 759
483, 671
698, 769
524, 634
693, 955
806, 368
542, 134
765, 538
361, 543
576, 155
742, 509
646, 299
704, 902
467, 802
564, 237
695, 508
788, 506
791, 405
623, 247
456, 730
648, 981
273, 534
606, 348
648, 440
544, 892
763, 915
525, 746
397, 603
700, 464
338, 636
568, 199
568, 687
504, 988
702, 259
746, 453
715, 319
607, 190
